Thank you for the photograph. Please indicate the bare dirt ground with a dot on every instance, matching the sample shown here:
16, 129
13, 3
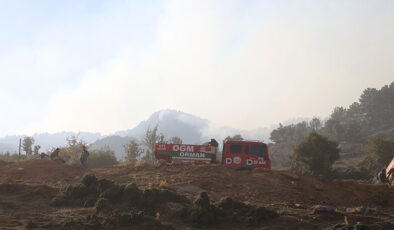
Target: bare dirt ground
27, 188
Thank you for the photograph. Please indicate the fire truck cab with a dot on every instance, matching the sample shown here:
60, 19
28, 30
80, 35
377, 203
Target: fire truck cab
245, 154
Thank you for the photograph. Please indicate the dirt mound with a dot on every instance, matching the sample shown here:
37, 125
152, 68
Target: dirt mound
19, 202
39, 171
225, 212
258, 186
100, 192
148, 197
146, 205
26, 192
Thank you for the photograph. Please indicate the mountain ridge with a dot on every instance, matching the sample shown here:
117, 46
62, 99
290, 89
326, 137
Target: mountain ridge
190, 128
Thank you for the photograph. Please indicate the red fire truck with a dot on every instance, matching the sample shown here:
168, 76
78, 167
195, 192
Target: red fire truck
235, 154
245, 154
185, 153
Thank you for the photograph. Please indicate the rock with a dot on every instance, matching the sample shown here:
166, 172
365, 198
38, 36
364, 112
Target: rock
362, 210
300, 206
317, 209
355, 210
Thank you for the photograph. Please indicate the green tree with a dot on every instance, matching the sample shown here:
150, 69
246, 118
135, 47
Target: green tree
101, 158
334, 129
133, 151
237, 137
373, 113
378, 107
27, 145
285, 138
290, 134
37, 149
315, 124
314, 155
339, 114
149, 140
380, 153
175, 140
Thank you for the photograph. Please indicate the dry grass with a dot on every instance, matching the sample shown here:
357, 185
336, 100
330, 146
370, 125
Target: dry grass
14, 157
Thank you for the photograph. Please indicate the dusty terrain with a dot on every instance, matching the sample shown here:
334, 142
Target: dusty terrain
28, 188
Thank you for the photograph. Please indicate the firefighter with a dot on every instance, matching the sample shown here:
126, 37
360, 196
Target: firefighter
84, 157
55, 154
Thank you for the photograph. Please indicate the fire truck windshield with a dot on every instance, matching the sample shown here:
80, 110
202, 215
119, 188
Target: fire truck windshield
259, 150
235, 148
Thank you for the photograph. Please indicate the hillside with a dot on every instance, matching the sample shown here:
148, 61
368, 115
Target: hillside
190, 128
171, 123
352, 127
292, 197
115, 143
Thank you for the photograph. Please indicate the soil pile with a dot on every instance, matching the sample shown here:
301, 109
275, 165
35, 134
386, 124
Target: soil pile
39, 171
142, 208
225, 212
19, 202
105, 194
163, 196
260, 186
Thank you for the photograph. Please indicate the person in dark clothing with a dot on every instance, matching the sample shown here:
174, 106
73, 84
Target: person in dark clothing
55, 154
84, 157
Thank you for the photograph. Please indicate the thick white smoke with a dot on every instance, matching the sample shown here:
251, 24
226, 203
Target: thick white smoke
212, 59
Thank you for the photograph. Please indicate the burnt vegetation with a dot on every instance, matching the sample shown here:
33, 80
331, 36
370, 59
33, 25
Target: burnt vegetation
129, 206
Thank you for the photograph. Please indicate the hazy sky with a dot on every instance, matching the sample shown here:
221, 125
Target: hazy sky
104, 66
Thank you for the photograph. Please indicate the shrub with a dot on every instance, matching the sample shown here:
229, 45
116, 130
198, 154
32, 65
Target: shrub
101, 158
315, 155
380, 153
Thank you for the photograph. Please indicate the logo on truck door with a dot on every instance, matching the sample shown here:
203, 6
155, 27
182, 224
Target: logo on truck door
237, 160
183, 148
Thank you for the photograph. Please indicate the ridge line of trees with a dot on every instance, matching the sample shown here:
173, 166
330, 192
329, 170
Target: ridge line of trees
363, 131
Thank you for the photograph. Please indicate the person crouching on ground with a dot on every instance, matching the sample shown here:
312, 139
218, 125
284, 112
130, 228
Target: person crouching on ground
84, 157
55, 154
